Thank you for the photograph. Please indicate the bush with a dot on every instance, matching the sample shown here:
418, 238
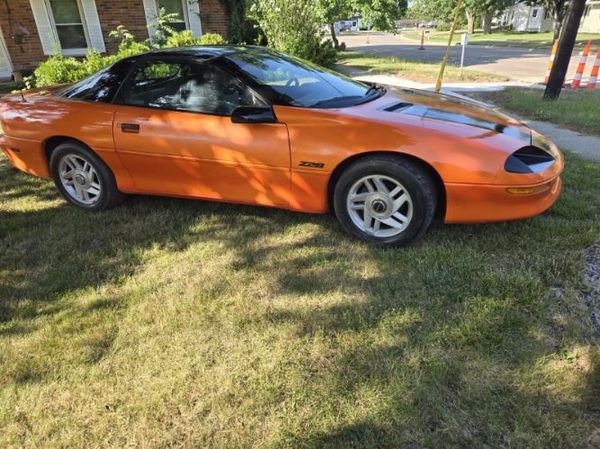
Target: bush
59, 69
294, 27
186, 39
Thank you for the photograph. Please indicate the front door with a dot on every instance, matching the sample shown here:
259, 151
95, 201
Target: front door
535, 19
5, 66
174, 133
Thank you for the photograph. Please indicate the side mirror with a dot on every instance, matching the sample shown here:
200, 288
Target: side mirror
253, 114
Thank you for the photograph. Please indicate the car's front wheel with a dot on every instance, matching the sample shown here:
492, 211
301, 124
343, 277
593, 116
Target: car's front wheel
83, 178
386, 200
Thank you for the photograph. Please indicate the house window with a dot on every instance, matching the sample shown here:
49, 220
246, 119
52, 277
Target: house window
534, 13
68, 21
175, 7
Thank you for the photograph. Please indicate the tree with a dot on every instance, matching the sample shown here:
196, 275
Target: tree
294, 27
488, 9
380, 13
565, 50
558, 9
331, 11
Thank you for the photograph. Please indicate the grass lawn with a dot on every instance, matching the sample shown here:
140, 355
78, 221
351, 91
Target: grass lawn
502, 38
172, 323
578, 110
412, 70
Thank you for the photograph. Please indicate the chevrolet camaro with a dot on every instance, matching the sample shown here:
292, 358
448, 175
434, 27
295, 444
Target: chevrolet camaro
254, 126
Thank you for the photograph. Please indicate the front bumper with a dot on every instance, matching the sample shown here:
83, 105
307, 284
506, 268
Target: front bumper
468, 203
25, 155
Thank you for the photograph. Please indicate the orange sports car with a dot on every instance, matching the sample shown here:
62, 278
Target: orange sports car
250, 125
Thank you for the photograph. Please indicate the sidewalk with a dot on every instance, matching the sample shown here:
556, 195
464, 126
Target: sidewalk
582, 144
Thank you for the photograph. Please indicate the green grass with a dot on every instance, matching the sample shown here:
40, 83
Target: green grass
501, 38
412, 70
172, 323
577, 110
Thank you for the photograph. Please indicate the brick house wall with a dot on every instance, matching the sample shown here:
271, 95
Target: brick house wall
214, 17
129, 13
20, 34
25, 49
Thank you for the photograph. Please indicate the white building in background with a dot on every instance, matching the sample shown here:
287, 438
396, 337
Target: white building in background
525, 18
590, 22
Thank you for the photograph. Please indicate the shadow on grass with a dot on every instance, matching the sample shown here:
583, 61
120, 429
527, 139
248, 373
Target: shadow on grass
461, 312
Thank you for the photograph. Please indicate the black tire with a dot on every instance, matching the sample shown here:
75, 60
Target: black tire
395, 172
108, 196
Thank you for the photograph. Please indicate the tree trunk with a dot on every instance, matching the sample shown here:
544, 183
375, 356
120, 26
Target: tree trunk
556, 26
559, 16
470, 21
487, 23
336, 43
565, 50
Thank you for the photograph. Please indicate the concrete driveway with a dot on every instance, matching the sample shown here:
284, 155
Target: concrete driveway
520, 64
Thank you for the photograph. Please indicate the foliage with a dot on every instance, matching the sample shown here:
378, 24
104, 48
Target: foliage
128, 46
236, 12
186, 39
59, 69
162, 28
443, 26
443, 10
381, 14
294, 27
431, 10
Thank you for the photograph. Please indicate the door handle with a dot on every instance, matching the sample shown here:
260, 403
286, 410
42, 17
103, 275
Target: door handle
130, 128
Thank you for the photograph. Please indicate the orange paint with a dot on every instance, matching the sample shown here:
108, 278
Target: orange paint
196, 155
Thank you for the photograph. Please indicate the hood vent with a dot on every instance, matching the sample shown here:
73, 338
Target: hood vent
397, 106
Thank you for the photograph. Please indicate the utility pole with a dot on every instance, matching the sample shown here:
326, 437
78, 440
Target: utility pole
440, 78
565, 50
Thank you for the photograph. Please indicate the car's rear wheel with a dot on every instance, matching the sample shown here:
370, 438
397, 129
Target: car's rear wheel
82, 178
386, 200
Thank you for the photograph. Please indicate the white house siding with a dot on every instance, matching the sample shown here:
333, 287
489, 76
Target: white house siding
590, 23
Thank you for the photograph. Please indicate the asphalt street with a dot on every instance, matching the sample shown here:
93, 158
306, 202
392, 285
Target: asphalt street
519, 64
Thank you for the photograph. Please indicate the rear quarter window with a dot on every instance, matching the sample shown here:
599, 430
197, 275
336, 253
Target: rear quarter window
102, 86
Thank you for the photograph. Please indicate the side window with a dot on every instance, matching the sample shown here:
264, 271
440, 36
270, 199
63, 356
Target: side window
101, 86
184, 86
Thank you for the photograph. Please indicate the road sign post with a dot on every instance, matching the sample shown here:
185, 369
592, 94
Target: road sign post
464, 40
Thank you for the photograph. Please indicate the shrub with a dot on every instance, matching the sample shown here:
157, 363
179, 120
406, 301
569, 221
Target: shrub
294, 27
128, 46
59, 69
186, 39
442, 26
212, 39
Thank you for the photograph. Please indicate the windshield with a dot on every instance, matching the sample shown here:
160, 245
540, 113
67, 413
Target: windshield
300, 83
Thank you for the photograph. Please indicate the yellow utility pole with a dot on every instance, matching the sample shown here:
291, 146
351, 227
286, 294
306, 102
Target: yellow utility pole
438, 84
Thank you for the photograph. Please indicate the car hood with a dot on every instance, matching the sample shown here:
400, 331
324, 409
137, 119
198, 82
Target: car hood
451, 109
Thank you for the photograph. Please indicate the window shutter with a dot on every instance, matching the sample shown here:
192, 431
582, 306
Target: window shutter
93, 25
46, 33
193, 7
151, 13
